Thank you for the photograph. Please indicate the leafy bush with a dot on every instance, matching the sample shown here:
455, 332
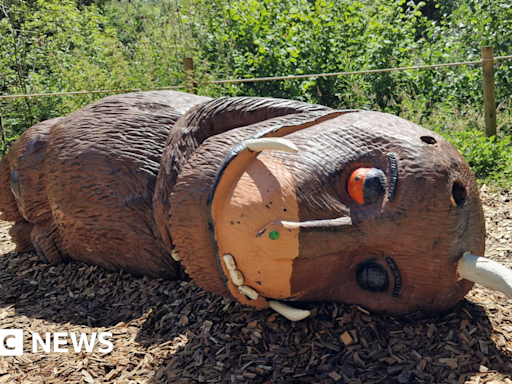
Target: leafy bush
66, 45
272, 38
60, 45
489, 157
38, 42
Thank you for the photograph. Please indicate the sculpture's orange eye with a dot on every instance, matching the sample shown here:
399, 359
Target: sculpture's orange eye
367, 185
355, 184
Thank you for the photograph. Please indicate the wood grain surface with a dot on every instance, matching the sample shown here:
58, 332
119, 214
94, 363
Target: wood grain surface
131, 179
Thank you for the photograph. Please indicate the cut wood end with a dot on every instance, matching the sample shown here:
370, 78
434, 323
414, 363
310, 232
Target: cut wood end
347, 338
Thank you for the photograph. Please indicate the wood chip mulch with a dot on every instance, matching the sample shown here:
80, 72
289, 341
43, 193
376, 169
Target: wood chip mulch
174, 332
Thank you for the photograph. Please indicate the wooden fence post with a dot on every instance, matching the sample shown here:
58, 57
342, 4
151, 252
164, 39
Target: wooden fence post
489, 96
188, 66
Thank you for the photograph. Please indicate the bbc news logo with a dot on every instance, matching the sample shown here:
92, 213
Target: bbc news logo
11, 342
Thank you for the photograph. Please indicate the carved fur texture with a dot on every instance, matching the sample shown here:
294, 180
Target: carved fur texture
131, 179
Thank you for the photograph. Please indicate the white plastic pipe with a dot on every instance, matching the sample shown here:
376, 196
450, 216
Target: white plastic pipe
271, 144
486, 272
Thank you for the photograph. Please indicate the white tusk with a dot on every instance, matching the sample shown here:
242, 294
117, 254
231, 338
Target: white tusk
292, 314
230, 262
248, 291
236, 277
271, 143
486, 272
175, 255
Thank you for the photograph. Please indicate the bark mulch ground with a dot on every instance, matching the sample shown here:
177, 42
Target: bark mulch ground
174, 332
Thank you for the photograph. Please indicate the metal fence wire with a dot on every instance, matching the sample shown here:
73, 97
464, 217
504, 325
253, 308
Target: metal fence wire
487, 63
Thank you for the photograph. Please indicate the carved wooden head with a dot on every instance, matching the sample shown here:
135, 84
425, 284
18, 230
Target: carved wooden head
373, 210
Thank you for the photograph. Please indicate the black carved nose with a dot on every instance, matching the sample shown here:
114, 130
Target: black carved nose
372, 276
374, 186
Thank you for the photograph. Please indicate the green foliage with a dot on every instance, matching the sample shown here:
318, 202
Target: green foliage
459, 36
73, 45
62, 45
38, 40
490, 158
272, 38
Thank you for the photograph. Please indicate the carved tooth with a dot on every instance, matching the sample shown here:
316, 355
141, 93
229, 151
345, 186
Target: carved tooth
236, 277
271, 143
175, 255
486, 272
247, 291
230, 262
292, 314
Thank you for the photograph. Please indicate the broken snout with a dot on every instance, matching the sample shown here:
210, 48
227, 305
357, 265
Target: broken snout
486, 272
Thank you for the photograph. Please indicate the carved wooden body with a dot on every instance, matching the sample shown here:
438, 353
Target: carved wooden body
372, 210
87, 182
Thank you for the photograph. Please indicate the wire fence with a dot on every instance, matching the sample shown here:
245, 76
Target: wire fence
256, 79
191, 84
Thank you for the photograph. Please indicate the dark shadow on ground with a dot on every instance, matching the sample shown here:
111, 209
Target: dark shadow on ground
78, 293
227, 343
210, 338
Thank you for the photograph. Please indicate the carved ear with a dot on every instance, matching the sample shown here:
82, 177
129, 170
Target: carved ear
208, 119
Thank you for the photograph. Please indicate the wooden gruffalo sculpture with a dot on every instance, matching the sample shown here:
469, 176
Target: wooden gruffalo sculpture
263, 200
